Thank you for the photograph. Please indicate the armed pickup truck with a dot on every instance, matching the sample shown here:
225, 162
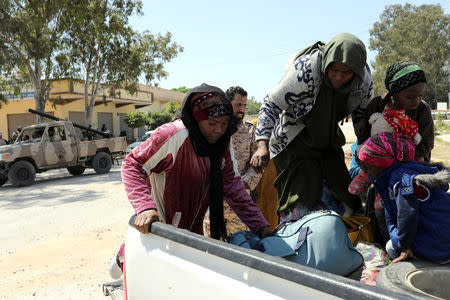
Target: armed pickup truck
54, 145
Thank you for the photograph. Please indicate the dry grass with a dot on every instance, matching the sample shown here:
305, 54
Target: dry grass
441, 127
441, 151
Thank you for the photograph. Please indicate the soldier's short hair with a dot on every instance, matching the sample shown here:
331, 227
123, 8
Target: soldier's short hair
235, 90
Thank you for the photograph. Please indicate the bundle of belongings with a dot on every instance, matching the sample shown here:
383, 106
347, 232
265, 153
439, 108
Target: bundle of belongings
318, 240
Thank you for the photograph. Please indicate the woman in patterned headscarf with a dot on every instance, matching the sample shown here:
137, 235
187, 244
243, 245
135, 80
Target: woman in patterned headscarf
298, 124
186, 166
406, 84
416, 203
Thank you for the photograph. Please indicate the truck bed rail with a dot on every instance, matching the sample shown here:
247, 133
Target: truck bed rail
253, 274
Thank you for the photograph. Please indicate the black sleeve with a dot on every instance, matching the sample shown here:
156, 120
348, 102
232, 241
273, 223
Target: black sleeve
426, 130
375, 105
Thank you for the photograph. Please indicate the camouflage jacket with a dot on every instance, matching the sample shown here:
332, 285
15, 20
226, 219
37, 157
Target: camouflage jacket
244, 146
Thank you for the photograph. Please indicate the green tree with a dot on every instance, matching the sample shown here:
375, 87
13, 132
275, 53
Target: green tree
412, 33
252, 106
136, 119
156, 119
3, 87
108, 55
3, 100
30, 36
182, 89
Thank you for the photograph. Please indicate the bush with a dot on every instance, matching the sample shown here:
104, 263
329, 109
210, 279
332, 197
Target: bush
182, 89
252, 106
440, 127
136, 119
156, 119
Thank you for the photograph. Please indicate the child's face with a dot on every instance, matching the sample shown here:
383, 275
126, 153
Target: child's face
373, 171
410, 97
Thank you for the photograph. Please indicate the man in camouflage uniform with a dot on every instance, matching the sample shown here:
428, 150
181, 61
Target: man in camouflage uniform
243, 140
244, 146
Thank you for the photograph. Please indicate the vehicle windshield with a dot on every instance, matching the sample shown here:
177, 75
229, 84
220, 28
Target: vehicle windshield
31, 135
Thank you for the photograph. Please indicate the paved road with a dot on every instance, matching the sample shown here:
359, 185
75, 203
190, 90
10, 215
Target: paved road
58, 236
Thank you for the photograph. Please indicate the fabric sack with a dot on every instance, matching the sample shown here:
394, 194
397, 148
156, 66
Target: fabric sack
318, 240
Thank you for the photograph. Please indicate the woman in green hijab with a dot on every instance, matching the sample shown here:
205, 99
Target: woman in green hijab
298, 124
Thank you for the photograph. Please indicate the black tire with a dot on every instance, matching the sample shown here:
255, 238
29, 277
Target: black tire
101, 163
76, 170
396, 277
3, 180
22, 173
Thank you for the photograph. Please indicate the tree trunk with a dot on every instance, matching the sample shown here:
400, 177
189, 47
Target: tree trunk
39, 98
40, 107
88, 109
90, 101
89, 113
88, 106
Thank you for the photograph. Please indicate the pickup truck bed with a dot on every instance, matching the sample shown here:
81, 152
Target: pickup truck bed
114, 145
171, 263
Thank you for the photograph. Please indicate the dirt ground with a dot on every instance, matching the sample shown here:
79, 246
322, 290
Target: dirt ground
74, 266
59, 235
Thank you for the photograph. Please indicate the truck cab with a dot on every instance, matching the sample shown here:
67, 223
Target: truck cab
49, 145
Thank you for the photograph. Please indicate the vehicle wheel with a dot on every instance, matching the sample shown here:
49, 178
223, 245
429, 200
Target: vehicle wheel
417, 279
76, 170
101, 163
3, 180
22, 173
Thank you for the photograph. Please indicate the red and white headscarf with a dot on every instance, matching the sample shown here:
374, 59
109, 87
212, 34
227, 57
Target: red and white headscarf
401, 123
385, 149
212, 111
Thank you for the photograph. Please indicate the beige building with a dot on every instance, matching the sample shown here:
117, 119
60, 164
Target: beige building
67, 102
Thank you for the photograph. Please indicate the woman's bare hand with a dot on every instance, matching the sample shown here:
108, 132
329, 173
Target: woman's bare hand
260, 159
144, 219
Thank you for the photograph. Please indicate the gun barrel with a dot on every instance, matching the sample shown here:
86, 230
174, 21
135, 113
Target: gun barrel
43, 114
74, 124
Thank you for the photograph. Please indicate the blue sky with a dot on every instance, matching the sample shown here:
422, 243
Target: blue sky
248, 42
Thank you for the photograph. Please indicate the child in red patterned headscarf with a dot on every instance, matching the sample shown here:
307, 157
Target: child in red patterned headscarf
417, 206
393, 121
